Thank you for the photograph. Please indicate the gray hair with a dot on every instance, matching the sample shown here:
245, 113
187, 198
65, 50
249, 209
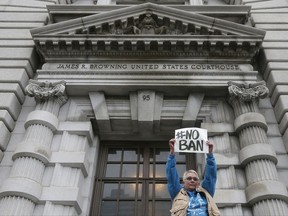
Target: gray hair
190, 171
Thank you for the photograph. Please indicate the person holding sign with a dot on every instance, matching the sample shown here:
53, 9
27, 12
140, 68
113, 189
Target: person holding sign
191, 140
191, 198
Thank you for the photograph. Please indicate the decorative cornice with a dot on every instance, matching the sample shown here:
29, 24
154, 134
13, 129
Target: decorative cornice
148, 30
133, 15
247, 92
235, 13
43, 91
199, 46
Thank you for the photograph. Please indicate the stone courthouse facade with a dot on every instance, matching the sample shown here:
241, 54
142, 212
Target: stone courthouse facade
91, 92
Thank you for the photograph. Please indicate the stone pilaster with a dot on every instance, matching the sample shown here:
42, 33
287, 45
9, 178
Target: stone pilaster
265, 193
22, 190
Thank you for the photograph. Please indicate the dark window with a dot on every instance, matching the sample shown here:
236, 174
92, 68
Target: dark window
131, 179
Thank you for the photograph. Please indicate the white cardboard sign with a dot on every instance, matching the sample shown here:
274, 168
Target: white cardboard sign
191, 140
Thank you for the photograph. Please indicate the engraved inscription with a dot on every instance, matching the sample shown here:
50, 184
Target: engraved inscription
112, 66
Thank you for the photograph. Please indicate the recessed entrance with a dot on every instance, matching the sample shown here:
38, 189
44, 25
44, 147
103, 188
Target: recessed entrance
131, 179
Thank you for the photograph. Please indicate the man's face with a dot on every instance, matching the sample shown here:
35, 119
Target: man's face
191, 181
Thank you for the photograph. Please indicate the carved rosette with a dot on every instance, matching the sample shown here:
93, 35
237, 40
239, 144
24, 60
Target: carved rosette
43, 91
247, 92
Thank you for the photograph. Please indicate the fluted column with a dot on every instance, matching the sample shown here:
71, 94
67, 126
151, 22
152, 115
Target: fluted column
22, 190
266, 194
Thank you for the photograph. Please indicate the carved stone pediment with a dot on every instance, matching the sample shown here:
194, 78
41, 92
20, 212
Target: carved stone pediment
148, 30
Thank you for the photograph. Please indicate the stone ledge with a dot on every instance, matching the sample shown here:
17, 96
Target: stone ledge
25, 53
72, 159
259, 4
285, 139
1, 155
277, 36
9, 102
14, 75
226, 160
28, 5
272, 27
278, 91
228, 197
16, 34
270, 18
23, 17
275, 66
63, 196
20, 25
267, 189
13, 88
43, 118
257, 152
284, 123
16, 64
218, 128
274, 55
281, 107
276, 77
7, 119
78, 128
4, 136
250, 119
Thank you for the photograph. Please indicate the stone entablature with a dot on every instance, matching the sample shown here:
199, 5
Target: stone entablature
52, 47
162, 76
148, 30
147, 66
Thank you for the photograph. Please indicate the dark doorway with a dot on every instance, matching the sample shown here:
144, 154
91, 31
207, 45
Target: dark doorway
131, 180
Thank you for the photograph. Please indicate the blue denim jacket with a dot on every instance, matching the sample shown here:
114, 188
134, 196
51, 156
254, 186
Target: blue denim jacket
198, 202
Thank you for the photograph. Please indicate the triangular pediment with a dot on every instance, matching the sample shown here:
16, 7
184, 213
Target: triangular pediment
148, 29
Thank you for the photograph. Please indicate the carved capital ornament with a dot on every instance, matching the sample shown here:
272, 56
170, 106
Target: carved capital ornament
43, 91
247, 92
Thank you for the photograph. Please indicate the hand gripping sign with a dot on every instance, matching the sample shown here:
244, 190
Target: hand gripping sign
191, 140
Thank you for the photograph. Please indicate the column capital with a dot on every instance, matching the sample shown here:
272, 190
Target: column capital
43, 91
247, 92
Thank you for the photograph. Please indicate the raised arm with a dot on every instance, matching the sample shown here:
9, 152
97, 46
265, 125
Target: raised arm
210, 177
174, 185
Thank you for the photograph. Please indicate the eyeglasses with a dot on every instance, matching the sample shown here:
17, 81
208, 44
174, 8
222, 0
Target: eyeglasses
192, 178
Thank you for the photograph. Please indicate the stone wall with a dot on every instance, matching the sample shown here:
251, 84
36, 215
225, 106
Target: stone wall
272, 17
18, 62
75, 165
18, 59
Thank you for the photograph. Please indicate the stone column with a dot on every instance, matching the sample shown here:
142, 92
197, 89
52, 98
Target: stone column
22, 190
265, 193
